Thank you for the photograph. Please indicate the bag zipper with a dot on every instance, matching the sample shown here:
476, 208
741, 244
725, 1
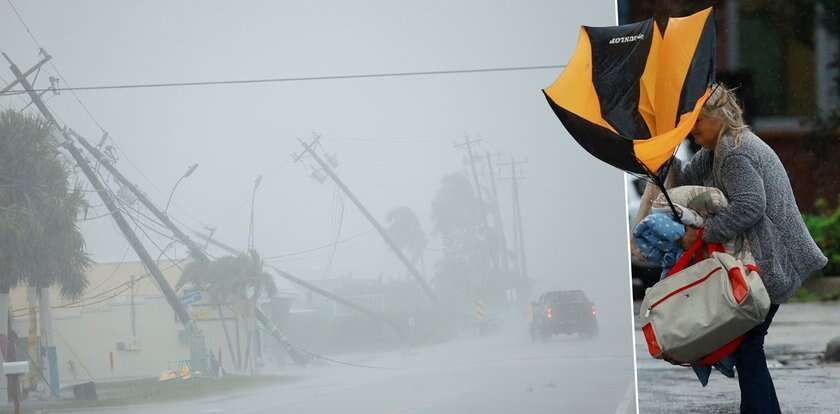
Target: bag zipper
688, 286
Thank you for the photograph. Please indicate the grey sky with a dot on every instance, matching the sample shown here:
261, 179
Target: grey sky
393, 137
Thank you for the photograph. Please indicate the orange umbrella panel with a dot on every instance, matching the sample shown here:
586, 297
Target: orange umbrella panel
630, 94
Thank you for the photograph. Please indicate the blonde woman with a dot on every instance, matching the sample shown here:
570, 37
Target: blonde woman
763, 211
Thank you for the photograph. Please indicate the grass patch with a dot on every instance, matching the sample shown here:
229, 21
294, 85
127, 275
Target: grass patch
805, 295
152, 391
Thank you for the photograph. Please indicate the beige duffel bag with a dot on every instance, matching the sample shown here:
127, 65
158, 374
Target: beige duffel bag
700, 312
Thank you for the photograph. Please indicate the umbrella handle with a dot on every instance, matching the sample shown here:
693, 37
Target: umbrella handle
677, 214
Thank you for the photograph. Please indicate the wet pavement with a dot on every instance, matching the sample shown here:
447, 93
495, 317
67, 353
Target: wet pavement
504, 372
794, 345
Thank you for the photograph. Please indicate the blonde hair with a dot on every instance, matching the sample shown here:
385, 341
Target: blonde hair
723, 105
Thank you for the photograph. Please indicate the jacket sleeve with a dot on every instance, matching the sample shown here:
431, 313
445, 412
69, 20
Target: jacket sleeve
744, 187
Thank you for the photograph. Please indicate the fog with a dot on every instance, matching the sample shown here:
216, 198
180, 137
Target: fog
394, 139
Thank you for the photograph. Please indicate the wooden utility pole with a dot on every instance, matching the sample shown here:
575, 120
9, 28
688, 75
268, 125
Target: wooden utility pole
196, 251
133, 310
32, 70
497, 216
519, 240
114, 210
308, 149
478, 193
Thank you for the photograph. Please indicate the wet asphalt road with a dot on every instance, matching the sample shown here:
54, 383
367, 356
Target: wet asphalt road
501, 373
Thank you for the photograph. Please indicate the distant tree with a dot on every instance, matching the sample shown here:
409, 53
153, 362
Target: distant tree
403, 226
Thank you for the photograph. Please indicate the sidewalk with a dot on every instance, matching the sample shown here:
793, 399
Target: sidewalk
794, 346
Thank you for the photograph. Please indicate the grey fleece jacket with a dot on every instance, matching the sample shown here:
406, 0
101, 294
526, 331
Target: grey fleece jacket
761, 208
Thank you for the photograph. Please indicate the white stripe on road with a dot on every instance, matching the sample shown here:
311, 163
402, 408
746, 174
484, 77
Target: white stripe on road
629, 398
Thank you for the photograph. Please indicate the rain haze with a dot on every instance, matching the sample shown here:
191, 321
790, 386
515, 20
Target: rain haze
394, 138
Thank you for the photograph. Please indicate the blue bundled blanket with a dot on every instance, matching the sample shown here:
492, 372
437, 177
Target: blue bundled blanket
658, 238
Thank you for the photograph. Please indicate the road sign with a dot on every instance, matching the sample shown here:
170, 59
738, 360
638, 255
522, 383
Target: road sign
201, 313
479, 310
191, 296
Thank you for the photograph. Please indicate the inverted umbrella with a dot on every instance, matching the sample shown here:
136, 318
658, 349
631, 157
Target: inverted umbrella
631, 94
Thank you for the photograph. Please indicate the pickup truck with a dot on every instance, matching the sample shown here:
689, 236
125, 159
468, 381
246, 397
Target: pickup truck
563, 312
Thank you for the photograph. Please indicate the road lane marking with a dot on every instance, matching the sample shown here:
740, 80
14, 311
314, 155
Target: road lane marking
629, 398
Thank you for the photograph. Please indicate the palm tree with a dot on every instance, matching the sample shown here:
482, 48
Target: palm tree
405, 230
233, 281
40, 242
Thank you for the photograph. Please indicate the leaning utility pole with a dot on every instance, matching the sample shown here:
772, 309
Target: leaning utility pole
497, 215
195, 251
116, 214
478, 194
519, 240
308, 148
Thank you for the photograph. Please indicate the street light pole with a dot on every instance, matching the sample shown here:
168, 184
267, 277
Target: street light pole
189, 172
257, 182
251, 347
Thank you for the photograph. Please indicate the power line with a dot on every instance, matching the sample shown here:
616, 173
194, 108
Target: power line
83, 302
58, 72
339, 203
116, 268
25, 26
299, 78
80, 102
325, 246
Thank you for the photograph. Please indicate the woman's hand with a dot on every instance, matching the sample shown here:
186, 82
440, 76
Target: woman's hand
691, 234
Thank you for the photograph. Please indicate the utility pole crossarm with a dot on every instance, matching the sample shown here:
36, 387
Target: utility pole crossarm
27, 73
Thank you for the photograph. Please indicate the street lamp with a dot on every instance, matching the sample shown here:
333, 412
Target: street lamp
189, 172
251, 225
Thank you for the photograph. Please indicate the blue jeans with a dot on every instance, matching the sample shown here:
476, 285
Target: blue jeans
758, 395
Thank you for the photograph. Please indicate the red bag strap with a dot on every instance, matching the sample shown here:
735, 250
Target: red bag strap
688, 255
691, 255
714, 247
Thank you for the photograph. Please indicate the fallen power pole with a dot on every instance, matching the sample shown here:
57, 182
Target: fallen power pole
197, 343
381, 230
298, 281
